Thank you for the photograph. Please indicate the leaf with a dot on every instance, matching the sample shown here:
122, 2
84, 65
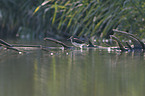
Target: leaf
45, 2
55, 12
37, 8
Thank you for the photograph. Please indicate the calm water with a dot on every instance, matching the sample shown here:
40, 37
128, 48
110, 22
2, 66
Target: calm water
88, 72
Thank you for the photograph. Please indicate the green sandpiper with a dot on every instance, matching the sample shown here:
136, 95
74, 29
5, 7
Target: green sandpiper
77, 42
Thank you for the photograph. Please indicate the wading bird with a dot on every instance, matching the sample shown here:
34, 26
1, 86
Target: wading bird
77, 42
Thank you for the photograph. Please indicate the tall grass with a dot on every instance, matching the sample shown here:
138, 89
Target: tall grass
16, 17
61, 18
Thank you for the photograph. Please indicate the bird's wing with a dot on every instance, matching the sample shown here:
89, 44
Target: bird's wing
78, 41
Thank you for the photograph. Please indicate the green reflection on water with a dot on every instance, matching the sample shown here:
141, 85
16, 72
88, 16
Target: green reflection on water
72, 73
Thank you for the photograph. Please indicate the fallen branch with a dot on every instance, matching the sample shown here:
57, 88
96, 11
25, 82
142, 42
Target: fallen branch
20, 45
59, 42
128, 45
118, 42
8, 46
5, 43
142, 44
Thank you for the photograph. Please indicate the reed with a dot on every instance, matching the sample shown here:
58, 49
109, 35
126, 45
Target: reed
63, 18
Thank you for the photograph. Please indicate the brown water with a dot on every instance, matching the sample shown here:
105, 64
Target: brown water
87, 72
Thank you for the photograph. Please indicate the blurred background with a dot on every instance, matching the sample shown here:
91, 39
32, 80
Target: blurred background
36, 19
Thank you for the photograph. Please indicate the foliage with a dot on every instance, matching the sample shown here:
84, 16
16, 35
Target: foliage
16, 15
61, 18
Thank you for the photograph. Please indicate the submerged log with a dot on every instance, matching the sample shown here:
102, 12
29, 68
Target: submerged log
121, 47
130, 48
136, 43
8, 46
3, 43
131, 35
20, 45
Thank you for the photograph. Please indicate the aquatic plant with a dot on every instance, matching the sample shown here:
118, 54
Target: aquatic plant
94, 17
63, 18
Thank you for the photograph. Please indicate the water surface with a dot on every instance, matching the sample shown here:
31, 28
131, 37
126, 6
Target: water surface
87, 72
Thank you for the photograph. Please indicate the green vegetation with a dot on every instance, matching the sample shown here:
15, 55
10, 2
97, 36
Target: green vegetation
61, 18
